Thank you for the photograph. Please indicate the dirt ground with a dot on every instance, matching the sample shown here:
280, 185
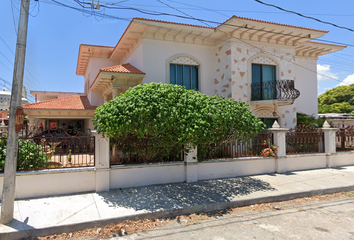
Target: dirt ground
127, 228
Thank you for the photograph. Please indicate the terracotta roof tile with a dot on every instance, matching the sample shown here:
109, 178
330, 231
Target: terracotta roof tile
329, 44
175, 23
93, 45
66, 103
123, 68
4, 113
279, 24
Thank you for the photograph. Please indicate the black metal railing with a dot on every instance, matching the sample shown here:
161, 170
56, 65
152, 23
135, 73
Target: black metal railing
274, 90
304, 142
345, 139
242, 148
52, 148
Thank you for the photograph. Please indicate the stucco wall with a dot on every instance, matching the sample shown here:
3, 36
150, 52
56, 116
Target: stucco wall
156, 54
235, 168
53, 182
136, 57
95, 97
144, 175
94, 66
306, 83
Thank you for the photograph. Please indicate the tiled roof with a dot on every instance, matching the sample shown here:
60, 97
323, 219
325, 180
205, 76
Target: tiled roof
176, 23
4, 113
329, 44
279, 24
92, 45
124, 68
66, 103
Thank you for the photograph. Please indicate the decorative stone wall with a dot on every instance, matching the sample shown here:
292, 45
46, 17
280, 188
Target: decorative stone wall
233, 73
223, 79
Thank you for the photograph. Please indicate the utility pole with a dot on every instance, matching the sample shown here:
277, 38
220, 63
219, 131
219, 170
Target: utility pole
8, 193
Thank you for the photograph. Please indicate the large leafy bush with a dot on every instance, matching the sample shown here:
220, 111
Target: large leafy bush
153, 120
30, 155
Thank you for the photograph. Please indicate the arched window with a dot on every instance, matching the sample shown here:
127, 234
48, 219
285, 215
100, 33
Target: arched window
263, 78
184, 72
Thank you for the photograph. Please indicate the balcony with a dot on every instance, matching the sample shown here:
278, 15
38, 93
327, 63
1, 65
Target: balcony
280, 92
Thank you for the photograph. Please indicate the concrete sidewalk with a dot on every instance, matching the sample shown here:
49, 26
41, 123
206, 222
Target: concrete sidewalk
44, 216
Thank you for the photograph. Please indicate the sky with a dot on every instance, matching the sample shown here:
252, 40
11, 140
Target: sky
56, 31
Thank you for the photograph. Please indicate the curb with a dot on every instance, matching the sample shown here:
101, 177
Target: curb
168, 213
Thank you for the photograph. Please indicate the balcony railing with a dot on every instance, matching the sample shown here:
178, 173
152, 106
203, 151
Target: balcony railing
274, 90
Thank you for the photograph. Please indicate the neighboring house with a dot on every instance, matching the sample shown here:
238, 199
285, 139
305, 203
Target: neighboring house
270, 66
74, 112
4, 121
5, 98
339, 120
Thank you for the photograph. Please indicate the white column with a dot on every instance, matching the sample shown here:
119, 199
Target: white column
329, 141
105, 98
102, 162
191, 165
115, 91
279, 139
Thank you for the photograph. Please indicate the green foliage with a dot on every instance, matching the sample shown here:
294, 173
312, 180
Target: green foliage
153, 120
307, 120
30, 155
337, 100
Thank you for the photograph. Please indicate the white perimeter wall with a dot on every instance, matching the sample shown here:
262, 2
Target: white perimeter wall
71, 181
53, 182
155, 65
144, 175
306, 83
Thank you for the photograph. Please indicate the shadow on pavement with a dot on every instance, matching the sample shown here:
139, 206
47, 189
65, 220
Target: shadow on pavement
182, 195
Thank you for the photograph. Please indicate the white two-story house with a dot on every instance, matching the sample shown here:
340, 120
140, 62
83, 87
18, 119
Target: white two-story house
270, 66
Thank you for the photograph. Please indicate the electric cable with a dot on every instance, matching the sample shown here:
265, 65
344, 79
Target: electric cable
304, 16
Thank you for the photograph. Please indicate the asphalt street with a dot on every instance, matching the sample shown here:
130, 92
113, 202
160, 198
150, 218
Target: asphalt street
309, 219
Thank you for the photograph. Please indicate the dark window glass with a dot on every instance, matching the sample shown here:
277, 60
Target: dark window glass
263, 82
184, 75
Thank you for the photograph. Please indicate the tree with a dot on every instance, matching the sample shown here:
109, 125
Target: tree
153, 120
307, 120
337, 100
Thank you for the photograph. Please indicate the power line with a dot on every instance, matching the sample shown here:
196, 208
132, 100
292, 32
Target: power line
304, 16
254, 46
13, 17
151, 12
194, 8
192, 18
39, 84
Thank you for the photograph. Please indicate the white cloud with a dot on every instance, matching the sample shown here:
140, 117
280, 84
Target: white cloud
348, 80
324, 73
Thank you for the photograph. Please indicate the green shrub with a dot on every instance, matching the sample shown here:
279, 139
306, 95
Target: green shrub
309, 121
151, 121
30, 155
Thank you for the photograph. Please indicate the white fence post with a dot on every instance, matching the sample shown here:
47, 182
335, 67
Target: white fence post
191, 165
102, 162
329, 141
279, 139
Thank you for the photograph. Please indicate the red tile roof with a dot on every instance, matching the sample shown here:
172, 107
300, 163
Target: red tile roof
4, 113
66, 103
279, 24
175, 23
329, 44
124, 68
93, 45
